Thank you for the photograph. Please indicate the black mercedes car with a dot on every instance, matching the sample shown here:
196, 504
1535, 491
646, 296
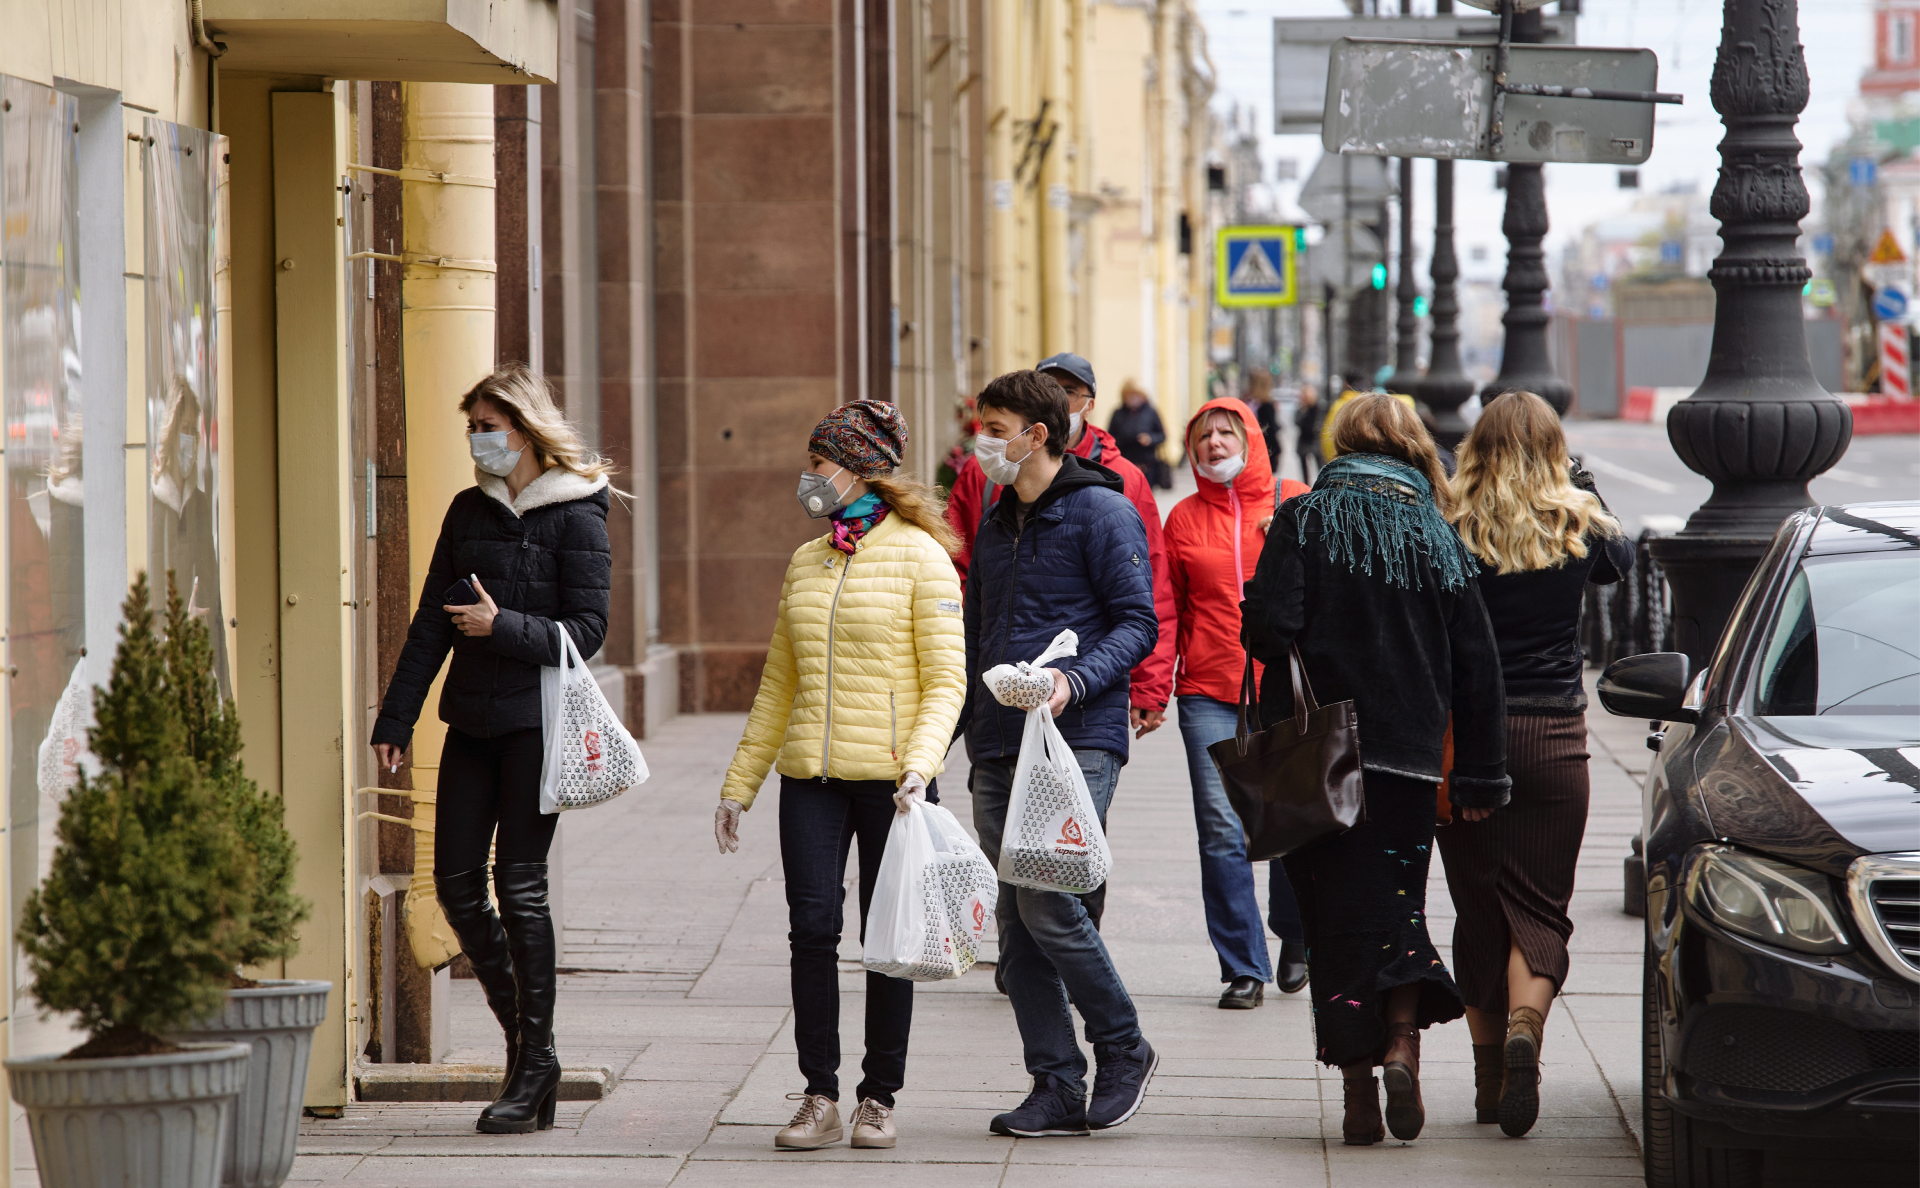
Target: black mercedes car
1782, 851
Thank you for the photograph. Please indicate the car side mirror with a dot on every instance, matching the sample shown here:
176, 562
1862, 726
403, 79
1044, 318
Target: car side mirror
1650, 686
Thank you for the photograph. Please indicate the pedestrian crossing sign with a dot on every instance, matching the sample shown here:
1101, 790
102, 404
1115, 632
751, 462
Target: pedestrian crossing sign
1254, 266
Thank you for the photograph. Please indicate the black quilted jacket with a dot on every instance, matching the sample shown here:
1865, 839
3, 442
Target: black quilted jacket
547, 563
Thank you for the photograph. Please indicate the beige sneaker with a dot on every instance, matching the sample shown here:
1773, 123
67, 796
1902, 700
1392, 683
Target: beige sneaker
815, 1124
872, 1125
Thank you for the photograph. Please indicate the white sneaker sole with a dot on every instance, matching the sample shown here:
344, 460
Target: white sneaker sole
813, 1143
878, 1142
1146, 1079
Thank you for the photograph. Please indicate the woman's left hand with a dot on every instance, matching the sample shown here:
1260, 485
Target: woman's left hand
1475, 814
476, 619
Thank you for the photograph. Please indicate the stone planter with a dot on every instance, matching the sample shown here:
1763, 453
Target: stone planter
275, 1020
161, 1121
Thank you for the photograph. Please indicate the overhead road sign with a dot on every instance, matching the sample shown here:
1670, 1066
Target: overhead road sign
1344, 257
1253, 267
1354, 188
1301, 45
1570, 104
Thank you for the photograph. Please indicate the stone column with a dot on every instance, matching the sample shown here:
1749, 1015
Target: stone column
1759, 425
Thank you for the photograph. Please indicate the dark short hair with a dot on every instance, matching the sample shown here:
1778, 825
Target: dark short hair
1034, 396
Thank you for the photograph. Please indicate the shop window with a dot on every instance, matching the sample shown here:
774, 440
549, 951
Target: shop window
182, 170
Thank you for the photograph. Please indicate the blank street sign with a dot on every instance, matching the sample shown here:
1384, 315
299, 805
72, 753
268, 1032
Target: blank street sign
1253, 266
1300, 46
1434, 99
1352, 189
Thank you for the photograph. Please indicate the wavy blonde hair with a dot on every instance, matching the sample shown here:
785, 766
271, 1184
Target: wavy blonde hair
918, 504
1514, 502
527, 400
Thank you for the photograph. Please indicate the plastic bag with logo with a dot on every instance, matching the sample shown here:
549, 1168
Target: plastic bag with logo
969, 888
910, 932
1053, 839
590, 756
63, 752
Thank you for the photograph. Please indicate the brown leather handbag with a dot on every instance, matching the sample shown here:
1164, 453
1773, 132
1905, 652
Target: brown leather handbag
1298, 781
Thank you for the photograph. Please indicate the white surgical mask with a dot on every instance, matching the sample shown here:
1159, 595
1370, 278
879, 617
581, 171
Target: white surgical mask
1225, 470
186, 447
490, 452
991, 453
1074, 421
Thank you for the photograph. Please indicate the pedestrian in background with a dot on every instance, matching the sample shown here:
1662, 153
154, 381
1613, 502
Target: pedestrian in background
520, 553
1137, 428
1368, 580
1266, 412
857, 706
1540, 534
1214, 538
1075, 544
1306, 429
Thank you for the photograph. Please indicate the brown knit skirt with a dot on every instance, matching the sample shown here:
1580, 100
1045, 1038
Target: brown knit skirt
1511, 875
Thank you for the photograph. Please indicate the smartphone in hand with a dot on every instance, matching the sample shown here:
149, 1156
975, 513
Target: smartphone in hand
460, 594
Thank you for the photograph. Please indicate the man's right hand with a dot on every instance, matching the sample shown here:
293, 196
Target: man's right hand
1061, 692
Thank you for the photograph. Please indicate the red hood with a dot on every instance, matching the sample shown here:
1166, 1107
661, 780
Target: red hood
1254, 483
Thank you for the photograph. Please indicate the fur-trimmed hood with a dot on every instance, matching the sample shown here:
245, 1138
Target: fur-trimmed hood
556, 484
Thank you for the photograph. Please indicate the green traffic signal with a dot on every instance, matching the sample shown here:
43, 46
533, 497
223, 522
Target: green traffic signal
1379, 276
1420, 306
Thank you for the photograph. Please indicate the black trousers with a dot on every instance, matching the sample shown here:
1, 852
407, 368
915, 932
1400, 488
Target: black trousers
489, 786
819, 820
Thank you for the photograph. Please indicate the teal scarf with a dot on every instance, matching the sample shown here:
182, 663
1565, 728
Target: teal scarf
1379, 511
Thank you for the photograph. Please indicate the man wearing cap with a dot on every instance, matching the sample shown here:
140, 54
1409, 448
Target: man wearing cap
972, 496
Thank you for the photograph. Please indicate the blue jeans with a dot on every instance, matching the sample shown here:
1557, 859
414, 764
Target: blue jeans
1226, 877
1049, 948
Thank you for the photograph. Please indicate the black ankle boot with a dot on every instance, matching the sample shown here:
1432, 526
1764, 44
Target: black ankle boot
463, 897
527, 1102
1292, 967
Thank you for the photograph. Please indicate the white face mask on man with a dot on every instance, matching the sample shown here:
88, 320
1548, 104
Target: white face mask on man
991, 453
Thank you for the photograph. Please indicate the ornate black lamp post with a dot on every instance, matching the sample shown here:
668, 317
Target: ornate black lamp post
1524, 364
1406, 350
1759, 425
1445, 387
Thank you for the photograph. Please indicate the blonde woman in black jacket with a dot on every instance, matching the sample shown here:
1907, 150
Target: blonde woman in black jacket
521, 552
1539, 539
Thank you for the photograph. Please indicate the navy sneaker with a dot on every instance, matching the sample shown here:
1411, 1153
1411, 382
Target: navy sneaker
1120, 1083
1051, 1111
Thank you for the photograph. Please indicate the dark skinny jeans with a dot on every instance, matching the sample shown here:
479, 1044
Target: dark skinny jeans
487, 784
819, 820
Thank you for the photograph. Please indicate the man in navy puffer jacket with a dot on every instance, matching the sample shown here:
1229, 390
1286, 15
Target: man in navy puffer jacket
1064, 548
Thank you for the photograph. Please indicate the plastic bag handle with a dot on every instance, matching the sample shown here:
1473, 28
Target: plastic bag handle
1064, 644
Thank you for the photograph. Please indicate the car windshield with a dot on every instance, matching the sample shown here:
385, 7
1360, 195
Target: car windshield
1846, 639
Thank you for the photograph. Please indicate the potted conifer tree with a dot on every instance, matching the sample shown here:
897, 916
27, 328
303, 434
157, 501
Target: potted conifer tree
134, 931
275, 1018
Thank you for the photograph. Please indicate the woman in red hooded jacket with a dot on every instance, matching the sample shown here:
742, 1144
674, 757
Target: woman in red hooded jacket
1214, 538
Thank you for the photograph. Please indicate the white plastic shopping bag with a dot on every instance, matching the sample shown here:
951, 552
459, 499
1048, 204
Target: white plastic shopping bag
63, 752
909, 933
590, 756
969, 887
1053, 840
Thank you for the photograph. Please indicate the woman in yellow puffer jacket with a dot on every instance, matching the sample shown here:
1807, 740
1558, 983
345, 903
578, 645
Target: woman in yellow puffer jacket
857, 706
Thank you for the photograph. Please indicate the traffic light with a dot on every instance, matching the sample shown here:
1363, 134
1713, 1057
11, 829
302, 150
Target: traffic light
1379, 276
1300, 239
1420, 306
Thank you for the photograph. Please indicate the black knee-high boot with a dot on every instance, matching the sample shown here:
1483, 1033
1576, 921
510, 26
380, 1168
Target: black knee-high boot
463, 897
527, 1102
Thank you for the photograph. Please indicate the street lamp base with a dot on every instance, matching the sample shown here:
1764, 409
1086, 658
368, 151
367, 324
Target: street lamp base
1706, 574
1547, 386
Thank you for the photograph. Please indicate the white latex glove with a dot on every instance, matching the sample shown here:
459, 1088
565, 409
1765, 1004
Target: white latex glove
912, 788
726, 826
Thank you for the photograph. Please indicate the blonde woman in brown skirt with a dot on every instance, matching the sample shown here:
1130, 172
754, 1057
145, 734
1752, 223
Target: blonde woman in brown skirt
1540, 534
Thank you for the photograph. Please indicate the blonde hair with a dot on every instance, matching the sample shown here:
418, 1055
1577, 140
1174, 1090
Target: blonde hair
1376, 423
527, 401
1514, 502
918, 504
1199, 427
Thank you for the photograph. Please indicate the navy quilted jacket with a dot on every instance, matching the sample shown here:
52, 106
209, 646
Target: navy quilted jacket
544, 560
1080, 561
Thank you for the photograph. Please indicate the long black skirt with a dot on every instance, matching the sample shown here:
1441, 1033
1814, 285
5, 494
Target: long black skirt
1363, 906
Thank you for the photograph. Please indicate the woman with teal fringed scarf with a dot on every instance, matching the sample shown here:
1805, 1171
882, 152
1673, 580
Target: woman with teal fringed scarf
1368, 579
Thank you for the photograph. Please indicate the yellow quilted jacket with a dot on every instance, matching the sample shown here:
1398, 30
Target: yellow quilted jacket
868, 665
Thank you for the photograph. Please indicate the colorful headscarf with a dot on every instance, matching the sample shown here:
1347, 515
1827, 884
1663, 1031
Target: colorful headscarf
868, 437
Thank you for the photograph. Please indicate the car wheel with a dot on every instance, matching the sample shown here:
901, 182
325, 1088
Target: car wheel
1672, 1155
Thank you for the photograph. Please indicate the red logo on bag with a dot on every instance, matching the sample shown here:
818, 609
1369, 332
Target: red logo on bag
979, 916
591, 740
1070, 834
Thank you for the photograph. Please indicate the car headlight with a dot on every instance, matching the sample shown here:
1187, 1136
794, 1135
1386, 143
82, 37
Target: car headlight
1767, 900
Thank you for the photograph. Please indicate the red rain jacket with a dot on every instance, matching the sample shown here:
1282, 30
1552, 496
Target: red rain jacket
1152, 678
1214, 540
